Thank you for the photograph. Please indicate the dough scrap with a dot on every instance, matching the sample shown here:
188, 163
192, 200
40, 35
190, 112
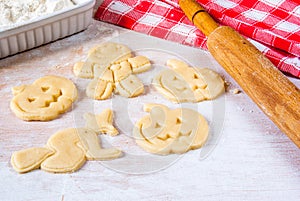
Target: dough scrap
102, 123
166, 131
182, 83
67, 150
43, 100
112, 68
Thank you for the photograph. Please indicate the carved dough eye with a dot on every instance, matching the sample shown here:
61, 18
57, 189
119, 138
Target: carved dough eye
178, 121
44, 89
157, 125
31, 99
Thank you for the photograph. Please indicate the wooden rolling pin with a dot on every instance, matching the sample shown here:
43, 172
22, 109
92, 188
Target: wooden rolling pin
274, 94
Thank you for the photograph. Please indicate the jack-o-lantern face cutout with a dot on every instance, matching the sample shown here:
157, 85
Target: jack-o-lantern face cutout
165, 131
112, 68
44, 100
182, 83
67, 150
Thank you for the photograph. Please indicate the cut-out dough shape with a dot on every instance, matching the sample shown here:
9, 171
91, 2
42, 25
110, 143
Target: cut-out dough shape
165, 131
102, 123
182, 83
43, 100
112, 68
68, 149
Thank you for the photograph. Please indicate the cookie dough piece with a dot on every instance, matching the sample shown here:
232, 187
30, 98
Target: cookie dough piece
174, 87
101, 57
121, 70
182, 83
73, 147
43, 100
104, 74
130, 87
99, 89
68, 149
101, 123
29, 159
165, 131
139, 64
214, 84
68, 156
93, 150
114, 66
84, 70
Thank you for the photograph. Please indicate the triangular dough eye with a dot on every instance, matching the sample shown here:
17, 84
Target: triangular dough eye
196, 76
44, 89
178, 121
31, 99
157, 125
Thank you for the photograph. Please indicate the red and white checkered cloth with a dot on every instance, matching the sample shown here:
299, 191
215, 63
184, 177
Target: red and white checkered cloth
273, 26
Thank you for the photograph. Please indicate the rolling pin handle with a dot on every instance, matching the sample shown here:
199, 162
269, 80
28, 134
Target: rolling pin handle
197, 14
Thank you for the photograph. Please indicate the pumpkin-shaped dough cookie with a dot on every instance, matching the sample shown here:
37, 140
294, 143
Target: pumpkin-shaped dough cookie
43, 100
182, 83
166, 131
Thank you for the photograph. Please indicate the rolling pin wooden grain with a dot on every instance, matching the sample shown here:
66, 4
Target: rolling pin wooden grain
275, 95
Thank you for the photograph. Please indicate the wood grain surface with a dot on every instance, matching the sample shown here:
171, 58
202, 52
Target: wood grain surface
248, 158
274, 94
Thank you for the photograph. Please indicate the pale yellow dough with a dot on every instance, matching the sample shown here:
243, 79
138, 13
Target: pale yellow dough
112, 68
68, 149
182, 83
101, 123
43, 100
166, 131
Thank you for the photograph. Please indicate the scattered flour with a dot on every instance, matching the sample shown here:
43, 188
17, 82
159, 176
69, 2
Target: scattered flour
19, 11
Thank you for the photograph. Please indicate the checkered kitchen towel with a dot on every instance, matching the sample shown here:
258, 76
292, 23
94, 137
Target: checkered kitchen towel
273, 26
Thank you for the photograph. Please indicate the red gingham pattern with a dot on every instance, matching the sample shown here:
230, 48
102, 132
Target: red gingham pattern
273, 26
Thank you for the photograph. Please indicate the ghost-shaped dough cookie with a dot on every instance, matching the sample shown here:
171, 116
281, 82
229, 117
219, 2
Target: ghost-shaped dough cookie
182, 83
166, 131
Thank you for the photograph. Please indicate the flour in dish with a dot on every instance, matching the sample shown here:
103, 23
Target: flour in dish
19, 11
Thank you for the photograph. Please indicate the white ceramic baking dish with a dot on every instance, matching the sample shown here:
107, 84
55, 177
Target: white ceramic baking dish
47, 28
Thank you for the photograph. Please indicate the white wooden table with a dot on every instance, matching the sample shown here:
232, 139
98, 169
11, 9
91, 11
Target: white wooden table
248, 157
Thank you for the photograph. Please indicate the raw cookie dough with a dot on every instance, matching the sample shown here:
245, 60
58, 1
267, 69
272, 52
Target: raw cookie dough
43, 100
112, 68
182, 83
100, 58
165, 131
66, 151
101, 123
